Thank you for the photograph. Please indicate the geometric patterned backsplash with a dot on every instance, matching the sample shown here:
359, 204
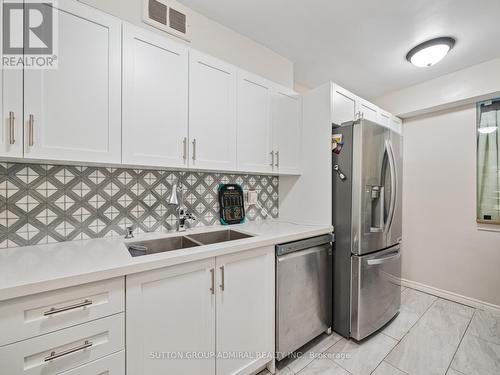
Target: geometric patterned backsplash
53, 203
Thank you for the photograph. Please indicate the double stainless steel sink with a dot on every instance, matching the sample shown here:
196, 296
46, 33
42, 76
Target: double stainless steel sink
183, 242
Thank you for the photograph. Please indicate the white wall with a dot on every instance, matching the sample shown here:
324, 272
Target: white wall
465, 86
213, 38
443, 247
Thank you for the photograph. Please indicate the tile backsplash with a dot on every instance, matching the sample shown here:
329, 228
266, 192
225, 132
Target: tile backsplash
52, 203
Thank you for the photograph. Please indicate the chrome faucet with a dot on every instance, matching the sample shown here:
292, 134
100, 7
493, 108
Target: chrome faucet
182, 214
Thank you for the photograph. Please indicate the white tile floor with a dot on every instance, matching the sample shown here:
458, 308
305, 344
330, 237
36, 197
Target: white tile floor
430, 336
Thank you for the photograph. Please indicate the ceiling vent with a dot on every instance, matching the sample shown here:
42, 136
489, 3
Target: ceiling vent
167, 16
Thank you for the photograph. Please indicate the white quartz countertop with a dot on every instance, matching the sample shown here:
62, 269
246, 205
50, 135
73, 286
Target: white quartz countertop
34, 269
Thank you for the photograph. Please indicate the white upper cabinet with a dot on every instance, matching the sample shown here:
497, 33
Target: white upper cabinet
367, 110
254, 132
212, 113
384, 118
344, 105
396, 124
73, 113
245, 309
287, 128
155, 99
11, 107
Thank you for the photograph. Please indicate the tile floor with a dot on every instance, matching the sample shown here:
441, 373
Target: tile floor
430, 336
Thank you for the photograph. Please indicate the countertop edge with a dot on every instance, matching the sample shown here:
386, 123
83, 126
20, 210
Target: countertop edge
183, 256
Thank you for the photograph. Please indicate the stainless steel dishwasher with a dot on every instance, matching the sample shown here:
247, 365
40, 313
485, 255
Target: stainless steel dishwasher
303, 292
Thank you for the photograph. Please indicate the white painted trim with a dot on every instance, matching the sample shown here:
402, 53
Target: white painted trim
455, 297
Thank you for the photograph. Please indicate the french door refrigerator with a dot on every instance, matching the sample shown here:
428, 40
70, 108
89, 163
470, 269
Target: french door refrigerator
367, 184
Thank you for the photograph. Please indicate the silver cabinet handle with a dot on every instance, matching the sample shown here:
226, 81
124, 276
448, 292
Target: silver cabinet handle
184, 149
212, 274
31, 123
53, 310
194, 149
277, 159
12, 129
272, 159
222, 283
54, 355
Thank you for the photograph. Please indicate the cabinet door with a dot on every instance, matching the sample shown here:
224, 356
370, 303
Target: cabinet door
169, 311
155, 99
344, 105
287, 127
384, 118
75, 109
254, 146
245, 309
396, 124
368, 110
11, 106
212, 113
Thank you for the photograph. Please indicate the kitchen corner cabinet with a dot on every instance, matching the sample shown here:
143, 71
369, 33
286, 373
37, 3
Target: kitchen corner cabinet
254, 125
11, 107
287, 128
73, 113
212, 113
155, 99
223, 304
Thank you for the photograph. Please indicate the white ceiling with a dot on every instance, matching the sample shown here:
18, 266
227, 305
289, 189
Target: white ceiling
362, 44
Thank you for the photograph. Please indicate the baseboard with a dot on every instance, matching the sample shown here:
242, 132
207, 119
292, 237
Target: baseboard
455, 297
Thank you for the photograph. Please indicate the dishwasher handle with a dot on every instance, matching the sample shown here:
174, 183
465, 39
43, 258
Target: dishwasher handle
292, 247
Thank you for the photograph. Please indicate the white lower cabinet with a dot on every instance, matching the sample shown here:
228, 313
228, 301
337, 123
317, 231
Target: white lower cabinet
245, 311
113, 364
171, 314
188, 319
39, 314
66, 349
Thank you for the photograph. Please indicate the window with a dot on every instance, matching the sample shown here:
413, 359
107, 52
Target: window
488, 162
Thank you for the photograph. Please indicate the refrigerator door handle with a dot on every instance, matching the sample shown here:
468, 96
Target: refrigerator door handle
392, 168
382, 260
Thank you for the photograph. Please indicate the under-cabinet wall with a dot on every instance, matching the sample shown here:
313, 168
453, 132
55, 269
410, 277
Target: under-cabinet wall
51, 203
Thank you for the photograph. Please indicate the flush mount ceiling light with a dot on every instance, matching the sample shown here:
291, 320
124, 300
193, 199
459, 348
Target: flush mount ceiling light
431, 52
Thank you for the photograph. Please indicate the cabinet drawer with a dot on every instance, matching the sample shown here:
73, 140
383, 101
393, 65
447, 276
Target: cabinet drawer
66, 349
111, 365
35, 315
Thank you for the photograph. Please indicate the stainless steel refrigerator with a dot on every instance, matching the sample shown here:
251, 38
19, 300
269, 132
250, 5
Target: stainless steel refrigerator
367, 184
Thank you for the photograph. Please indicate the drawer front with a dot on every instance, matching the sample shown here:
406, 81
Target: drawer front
66, 349
38, 314
111, 365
